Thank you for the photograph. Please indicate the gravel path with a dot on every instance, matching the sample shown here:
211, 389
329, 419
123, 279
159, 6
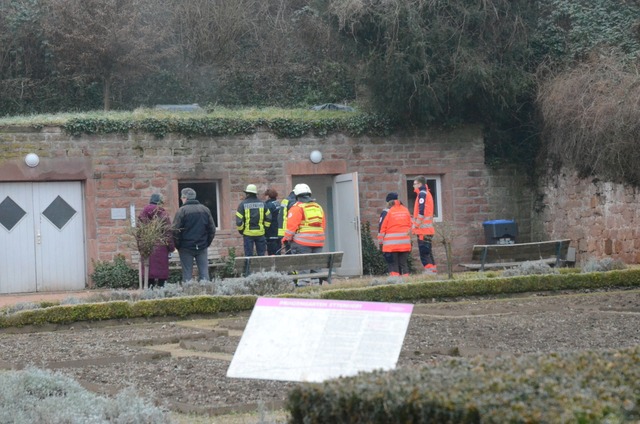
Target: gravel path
183, 364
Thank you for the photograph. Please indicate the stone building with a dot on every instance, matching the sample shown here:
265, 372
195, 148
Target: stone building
75, 205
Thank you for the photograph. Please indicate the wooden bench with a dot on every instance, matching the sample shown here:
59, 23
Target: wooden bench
326, 261
215, 261
552, 252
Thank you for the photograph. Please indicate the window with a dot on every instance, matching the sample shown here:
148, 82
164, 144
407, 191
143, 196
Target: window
207, 193
435, 187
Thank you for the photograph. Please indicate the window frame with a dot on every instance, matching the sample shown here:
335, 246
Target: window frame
207, 201
434, 182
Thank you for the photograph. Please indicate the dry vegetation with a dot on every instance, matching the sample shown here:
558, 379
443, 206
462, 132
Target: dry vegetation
592, 118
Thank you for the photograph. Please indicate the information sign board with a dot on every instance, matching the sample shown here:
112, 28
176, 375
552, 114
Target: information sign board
318, 339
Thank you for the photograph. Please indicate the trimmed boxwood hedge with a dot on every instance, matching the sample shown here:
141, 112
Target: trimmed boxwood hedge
569, 387
411, 292
178, 307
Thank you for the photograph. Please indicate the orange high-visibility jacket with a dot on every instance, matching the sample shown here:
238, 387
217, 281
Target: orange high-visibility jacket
394, 235
423, 213
305, 224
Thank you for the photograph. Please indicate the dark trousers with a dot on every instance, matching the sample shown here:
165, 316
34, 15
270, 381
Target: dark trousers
202, 261
259, 242
397, 262
424, 247
297, 249
274, 246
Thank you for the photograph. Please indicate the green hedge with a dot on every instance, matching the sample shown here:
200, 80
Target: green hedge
578, 387
416, 292
353, 125
178, 307
410, 292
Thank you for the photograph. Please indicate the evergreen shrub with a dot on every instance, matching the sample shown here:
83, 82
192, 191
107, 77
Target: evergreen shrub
38, 396
116, 274
604, 264
530, 268
197, 298
563, 387
373, 262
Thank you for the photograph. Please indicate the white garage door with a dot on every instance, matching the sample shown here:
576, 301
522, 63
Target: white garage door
42, 237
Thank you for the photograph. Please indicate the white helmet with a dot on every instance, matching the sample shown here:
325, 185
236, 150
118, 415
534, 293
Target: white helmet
251, 188
301, 189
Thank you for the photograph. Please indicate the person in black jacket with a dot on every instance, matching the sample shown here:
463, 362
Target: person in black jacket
274, 242
194, 230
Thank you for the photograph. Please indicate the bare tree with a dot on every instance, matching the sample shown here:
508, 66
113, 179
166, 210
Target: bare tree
213, 31
105, 40
445, 234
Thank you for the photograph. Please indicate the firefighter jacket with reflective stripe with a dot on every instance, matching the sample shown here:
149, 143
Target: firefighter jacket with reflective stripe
423, 213
273, 206
306, 223
395, 231
285, 204
252, 217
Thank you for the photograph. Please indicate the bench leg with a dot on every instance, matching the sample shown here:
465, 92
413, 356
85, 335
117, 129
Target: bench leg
247, 267
484, 259
330, 269
558, 251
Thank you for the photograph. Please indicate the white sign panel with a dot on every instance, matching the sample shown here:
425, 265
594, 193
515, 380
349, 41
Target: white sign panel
118, 213
316, 339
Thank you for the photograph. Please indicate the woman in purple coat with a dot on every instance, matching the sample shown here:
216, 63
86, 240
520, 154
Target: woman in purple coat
159, 259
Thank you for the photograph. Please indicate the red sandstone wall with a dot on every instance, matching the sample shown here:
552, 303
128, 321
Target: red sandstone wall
119, 170
601, 218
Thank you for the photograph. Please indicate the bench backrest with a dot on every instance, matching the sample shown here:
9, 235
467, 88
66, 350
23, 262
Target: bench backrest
521, 251
288, 263
212, 255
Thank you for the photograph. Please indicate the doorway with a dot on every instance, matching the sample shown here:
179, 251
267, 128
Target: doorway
338, 196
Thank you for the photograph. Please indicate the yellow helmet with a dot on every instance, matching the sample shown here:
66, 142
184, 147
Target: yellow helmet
251, 188
300, 189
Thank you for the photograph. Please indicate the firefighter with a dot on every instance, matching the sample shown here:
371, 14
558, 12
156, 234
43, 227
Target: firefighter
274, 241
394, 236
423, 224
283, 211
305, 223
252, 218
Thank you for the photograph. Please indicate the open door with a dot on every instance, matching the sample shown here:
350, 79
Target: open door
347, 223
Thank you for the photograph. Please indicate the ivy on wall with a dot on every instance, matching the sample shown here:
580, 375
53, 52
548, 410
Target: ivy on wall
373, 125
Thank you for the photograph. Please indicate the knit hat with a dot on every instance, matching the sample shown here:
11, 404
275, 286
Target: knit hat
392, 196
155, 198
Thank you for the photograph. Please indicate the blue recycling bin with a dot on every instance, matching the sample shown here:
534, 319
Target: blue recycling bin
500, 231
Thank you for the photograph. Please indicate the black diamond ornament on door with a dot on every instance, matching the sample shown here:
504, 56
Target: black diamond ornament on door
10, 213
59, 212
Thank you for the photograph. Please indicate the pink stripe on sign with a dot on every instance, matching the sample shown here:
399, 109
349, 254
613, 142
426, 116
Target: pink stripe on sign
340, 305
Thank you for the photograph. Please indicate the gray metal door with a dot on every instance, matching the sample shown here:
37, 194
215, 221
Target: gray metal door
42, 232
347, 223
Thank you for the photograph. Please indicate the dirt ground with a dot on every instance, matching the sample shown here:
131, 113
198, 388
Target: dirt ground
182, 364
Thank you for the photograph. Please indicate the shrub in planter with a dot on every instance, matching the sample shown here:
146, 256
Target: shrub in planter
116, 274
530, 268
602, 265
